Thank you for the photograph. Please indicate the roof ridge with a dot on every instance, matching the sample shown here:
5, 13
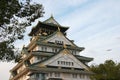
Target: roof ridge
51, 20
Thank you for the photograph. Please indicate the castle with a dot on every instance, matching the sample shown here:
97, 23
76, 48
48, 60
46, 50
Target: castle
50, 55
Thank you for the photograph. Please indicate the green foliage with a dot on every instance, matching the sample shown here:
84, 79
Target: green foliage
7, 9
15, 16
107, 71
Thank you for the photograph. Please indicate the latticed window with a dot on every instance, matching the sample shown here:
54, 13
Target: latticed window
58, 42
65, 63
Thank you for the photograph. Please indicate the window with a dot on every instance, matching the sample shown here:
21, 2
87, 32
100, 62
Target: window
87, 76
62, 62
65, 63
57, 74
69, 63
50, 74
58, 62
58, 42
82, 76
40, 58
73, 52
54, 49
43, 48
46, 74
72, 64
74, 75
37, 75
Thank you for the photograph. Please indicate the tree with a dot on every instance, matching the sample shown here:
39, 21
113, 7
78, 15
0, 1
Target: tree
15, 16
106, 71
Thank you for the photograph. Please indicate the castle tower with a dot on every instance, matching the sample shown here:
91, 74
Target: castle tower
50, 55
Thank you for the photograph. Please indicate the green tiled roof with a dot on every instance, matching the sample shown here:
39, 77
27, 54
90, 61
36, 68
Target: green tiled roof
47, 69
83, 58
51, 21
42, 53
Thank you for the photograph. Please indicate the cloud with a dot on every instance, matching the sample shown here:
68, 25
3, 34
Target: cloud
96, 27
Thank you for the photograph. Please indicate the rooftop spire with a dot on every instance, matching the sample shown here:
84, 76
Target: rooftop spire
52, 16
51, 20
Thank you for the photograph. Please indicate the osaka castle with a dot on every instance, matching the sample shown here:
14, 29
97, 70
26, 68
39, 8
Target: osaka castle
50, 55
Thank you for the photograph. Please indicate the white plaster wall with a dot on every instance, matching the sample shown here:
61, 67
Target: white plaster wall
49, 49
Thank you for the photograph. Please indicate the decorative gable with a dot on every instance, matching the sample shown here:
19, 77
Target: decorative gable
60, 39
64, 59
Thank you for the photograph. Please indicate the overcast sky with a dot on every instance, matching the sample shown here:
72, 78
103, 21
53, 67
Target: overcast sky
94, 24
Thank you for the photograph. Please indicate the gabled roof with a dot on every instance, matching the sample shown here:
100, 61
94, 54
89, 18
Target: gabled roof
61, 36
64, 53
51, 21
45, 41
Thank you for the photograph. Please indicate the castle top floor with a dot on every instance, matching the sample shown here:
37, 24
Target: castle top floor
47, 27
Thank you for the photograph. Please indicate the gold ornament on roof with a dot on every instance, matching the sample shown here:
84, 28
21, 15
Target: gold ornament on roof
64, 45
